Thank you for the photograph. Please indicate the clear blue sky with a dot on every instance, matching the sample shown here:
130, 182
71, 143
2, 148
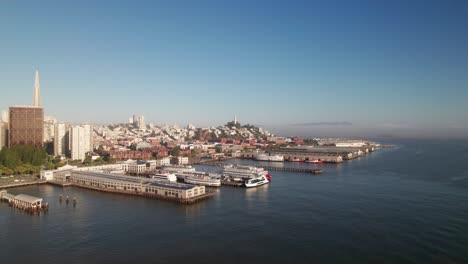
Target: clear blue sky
339, 68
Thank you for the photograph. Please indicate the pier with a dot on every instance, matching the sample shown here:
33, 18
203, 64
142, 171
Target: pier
206, 195
289, 169
24, 202
271, 168
21, 184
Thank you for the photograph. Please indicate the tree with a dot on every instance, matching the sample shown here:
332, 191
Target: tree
12, 160
87, 160
50, 166
39, 156
175, 151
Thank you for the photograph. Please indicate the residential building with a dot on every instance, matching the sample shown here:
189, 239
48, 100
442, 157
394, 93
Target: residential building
80, 141
61, 139
5, 116
136, 168
3, 134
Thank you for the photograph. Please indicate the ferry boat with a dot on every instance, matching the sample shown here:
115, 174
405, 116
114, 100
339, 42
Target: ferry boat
203, 179
179, 169
256, 181
242, 173
164, 177
316, 161
265, 157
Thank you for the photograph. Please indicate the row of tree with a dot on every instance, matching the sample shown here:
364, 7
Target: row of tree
21, 159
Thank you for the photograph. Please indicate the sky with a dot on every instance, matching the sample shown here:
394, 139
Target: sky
311, 68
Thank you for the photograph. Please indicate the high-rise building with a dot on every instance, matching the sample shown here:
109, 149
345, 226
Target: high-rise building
49, 129
26, 126
135, 120
80, 141
5, 116
37, 91
26, 123
141, 122
61, 140
3, 134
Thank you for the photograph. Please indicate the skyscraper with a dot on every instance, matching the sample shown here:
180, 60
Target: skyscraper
61, 140
3, 134
26, 126
141, 122
80, 141
26, 123
37, 91
5, 117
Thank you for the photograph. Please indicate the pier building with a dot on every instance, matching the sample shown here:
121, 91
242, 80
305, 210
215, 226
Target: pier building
125, 184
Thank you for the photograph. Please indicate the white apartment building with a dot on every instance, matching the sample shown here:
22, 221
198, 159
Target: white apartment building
61, 139
182, 160
136, 168
5, 116
49, 130
141, 122
3, 134
80, 141
163, 162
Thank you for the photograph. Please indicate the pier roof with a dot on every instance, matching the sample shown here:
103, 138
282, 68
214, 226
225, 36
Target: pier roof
28, 198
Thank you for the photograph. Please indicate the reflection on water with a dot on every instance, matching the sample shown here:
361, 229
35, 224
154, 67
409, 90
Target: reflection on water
389, 207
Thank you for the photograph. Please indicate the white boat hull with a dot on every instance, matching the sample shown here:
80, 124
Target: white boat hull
205, 183
256, 183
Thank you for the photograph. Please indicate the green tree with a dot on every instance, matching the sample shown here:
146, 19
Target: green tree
87, 160
175, 151
12, 160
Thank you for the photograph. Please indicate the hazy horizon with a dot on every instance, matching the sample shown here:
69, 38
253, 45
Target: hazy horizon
362, 69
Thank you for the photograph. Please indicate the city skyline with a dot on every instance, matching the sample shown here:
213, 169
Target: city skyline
400, 78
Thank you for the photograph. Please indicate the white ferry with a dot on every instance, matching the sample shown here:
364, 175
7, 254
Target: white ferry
242, 173
179, 169
265, 157
256, 182
164, 177
206, 180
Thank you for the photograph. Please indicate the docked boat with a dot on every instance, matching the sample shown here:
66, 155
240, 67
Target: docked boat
316, 161
205, 180
179, 169
266, 157
295, 160
256, 181
164, 177
242, 173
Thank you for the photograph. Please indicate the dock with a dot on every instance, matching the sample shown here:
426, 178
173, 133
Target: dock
206, 195
271, 168
289, 169
21, 184
24, 202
